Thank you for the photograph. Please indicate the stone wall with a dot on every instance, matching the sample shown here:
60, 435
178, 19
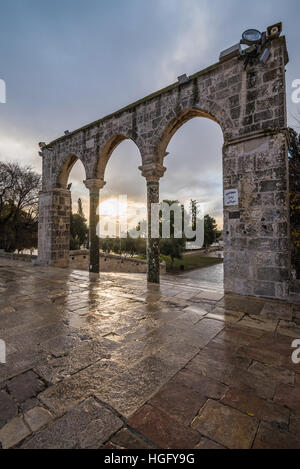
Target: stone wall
256, 233
54, 227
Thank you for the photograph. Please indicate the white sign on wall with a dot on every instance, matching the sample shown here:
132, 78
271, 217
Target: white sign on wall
231, 197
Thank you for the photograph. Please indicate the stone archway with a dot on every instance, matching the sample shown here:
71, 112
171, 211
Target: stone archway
250, 106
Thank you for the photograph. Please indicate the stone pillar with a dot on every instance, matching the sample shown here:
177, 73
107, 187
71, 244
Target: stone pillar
152, 173
54, 227
94, 185
256, 216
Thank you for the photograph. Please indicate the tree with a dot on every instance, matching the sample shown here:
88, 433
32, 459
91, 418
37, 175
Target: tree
294, 181
79, 229
19, 189
172, 246
194, 212
210, 230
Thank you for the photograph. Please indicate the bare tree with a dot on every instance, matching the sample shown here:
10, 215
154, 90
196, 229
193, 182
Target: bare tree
19, 188
294, 179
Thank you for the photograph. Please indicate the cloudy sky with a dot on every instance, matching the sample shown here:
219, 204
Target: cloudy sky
69, 62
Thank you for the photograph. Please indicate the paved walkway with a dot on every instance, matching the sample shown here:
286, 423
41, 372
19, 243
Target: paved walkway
210, 277
107, 362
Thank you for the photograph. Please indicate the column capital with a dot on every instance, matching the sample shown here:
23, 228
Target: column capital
94, 185
152, 171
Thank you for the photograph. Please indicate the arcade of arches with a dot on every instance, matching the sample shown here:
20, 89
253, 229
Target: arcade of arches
250, 107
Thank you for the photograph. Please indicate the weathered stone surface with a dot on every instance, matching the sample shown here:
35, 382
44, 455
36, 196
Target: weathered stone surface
164, 431
202, 384
288, 396
25, 386
178, 401
278, 374
256, 407
60, 345
214, 418
153, 346
269, 437
205, 443
37, 417
126, 439
86, 353
13, 432
87, 425
70, 391
8, 408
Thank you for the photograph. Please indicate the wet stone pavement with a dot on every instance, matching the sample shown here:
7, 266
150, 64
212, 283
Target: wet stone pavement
111, 363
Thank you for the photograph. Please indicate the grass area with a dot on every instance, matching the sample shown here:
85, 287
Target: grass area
190, 263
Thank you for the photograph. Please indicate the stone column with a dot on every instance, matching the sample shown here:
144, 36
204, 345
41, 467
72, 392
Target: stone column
94, 185
54, 227
256, 224
152, 173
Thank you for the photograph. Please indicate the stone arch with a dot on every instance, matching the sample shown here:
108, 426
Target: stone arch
107, 150
65, 169
249, 104
177, 121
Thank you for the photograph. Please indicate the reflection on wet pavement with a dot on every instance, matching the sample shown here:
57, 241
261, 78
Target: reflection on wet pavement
109, 362
212, 276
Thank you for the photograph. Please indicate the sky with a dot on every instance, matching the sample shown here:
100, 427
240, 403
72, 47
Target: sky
67, 63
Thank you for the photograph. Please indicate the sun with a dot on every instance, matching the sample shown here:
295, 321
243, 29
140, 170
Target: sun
112, 207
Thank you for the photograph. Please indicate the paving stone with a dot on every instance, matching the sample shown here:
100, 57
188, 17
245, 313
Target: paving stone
37, 417
269, 437
8, 408
278, 374
207, 329
210, 295
256, 407
29, 404
25, 386
202, 384
164, 431
237, 335
277, 311
217, 365
85, 354
60, 345
221, 314
243, 304
289, 329
295, 425
178, 401
243, 380
13, 432
87, 425
256, 322
197, 311
20, 361
153, 369
127, 439
288, 396
214, 418
205, 443
73, 389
